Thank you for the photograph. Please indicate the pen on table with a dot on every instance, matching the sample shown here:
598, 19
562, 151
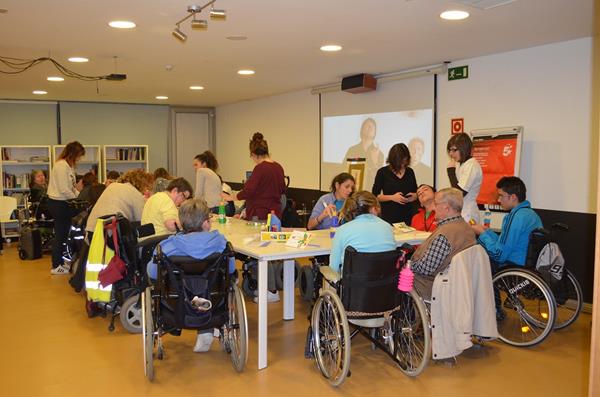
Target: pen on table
313, 245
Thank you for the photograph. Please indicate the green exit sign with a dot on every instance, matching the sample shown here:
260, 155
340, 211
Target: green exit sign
457, 73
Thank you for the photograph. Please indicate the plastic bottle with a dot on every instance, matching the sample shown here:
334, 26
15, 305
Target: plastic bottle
406, 279
487, 217
334, 225
222, 217
275, 222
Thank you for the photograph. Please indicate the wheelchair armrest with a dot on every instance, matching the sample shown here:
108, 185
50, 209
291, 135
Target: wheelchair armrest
330, 274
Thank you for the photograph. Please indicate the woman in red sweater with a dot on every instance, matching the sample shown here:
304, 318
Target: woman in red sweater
424, 220
265, 186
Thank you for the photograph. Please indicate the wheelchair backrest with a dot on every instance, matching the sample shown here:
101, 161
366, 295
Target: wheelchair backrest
369, 281
537, 240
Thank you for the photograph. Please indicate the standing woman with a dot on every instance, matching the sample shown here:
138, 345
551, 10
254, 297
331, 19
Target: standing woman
265, 186
208, 183
60, 189
395, 186
465, 174
330, 204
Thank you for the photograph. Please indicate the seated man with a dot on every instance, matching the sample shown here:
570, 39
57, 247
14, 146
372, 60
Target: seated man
511, 246
197, 241
161, 207
424, 219
452, 235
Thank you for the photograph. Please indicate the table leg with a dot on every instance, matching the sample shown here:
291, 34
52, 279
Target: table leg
288, 289
262, 313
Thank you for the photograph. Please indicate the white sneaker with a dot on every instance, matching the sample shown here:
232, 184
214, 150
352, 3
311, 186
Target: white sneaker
271, 297
203, 342
67, 265
59, 270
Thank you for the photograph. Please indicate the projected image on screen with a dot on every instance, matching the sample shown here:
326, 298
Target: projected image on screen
370, 137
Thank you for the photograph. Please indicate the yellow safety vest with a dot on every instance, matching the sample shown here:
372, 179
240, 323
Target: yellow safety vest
95, 263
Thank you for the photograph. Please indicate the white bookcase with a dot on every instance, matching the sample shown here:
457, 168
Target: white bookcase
90, 162
16, 164
122, 158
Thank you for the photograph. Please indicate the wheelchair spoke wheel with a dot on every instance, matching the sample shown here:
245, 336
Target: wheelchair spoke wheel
148, 333
131, 314
525, 306
569, 300
331, 337
411, 334
237, 329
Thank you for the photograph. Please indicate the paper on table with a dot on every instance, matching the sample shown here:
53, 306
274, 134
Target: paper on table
299, 239
403, 227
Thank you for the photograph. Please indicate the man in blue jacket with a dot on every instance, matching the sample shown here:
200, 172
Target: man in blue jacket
511, 246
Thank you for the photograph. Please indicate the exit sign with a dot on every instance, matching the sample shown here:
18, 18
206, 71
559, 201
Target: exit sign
460, 72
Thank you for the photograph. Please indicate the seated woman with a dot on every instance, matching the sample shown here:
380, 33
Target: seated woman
330, 204
424, 219
37, 191
162, 178
198, 242
363, 230
89, 180
161, 208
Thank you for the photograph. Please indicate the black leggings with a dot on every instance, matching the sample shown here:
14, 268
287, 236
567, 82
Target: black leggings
61, 213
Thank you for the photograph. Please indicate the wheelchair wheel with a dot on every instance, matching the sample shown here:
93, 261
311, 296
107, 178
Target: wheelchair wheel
527, 306
148, 333
331, 337
279, 274
237, 329
306, 283
131, 314
411, 334
568, 301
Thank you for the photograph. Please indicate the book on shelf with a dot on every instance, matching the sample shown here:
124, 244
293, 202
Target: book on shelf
6, 154
12, 181
130, 154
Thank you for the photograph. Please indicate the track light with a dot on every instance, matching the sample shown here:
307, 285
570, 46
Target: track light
199, 24
179, 35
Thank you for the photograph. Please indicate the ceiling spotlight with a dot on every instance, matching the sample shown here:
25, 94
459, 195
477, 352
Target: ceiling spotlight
161, 97
122, 24
331, 48
40, 92
218, 14
246, 72
78, 59
196, 87
179, 34
454, 15
55, 78
199, 24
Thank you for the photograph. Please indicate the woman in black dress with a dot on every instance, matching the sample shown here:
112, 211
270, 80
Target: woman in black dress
395, 186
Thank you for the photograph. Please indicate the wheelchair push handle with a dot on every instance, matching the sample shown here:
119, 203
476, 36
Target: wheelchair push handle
563, 227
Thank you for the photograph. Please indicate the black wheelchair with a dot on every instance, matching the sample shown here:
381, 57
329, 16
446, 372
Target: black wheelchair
542, 296
366, 298
168, 307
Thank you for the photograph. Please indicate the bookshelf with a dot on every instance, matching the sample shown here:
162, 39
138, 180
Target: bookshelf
16, 164
122, 158
90, 162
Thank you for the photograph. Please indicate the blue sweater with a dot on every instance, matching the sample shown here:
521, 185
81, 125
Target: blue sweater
511, 245
366, 233
198, 245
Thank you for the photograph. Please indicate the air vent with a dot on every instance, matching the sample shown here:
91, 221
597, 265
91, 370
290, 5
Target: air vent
485, 4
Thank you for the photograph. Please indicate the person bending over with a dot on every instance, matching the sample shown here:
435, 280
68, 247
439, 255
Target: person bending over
424, 219
196, 241
511, 246
363, 230
208, 183
465, 174
452, 235
161, 208
330, 204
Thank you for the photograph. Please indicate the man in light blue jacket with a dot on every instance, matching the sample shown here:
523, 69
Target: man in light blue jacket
511, 246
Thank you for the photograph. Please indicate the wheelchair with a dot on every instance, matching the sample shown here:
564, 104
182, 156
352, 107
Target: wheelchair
167, 306
537, 298
366, 298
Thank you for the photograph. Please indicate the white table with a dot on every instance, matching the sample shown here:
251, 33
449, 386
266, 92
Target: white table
245, 238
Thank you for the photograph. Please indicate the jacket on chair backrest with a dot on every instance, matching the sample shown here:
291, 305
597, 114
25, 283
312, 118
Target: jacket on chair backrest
462, 303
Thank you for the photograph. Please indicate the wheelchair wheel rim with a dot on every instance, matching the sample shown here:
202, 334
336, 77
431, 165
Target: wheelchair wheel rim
237, 329
571, 303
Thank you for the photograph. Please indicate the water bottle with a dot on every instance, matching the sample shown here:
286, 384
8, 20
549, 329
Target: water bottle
222, 217
275, 222
487, 217
406, 279
334, 225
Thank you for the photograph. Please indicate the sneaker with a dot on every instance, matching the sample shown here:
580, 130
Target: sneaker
59, 270
271, 297
203, 342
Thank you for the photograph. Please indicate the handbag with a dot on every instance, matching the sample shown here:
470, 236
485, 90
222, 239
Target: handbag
116, 268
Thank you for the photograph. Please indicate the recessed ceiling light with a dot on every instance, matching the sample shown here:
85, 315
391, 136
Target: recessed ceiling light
236, 38
196, 87
245, 72
454, 15
331, 48
40, 92
121, 24
55, 78
3, 10
78, 59
162, 97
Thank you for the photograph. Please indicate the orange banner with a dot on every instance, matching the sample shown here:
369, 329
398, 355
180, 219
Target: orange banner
497, 156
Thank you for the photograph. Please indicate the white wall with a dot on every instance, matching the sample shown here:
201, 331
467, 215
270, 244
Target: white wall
290, 124
27, 123
545, 89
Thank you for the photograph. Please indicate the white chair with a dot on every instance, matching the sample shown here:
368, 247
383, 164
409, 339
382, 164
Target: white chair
7, 206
